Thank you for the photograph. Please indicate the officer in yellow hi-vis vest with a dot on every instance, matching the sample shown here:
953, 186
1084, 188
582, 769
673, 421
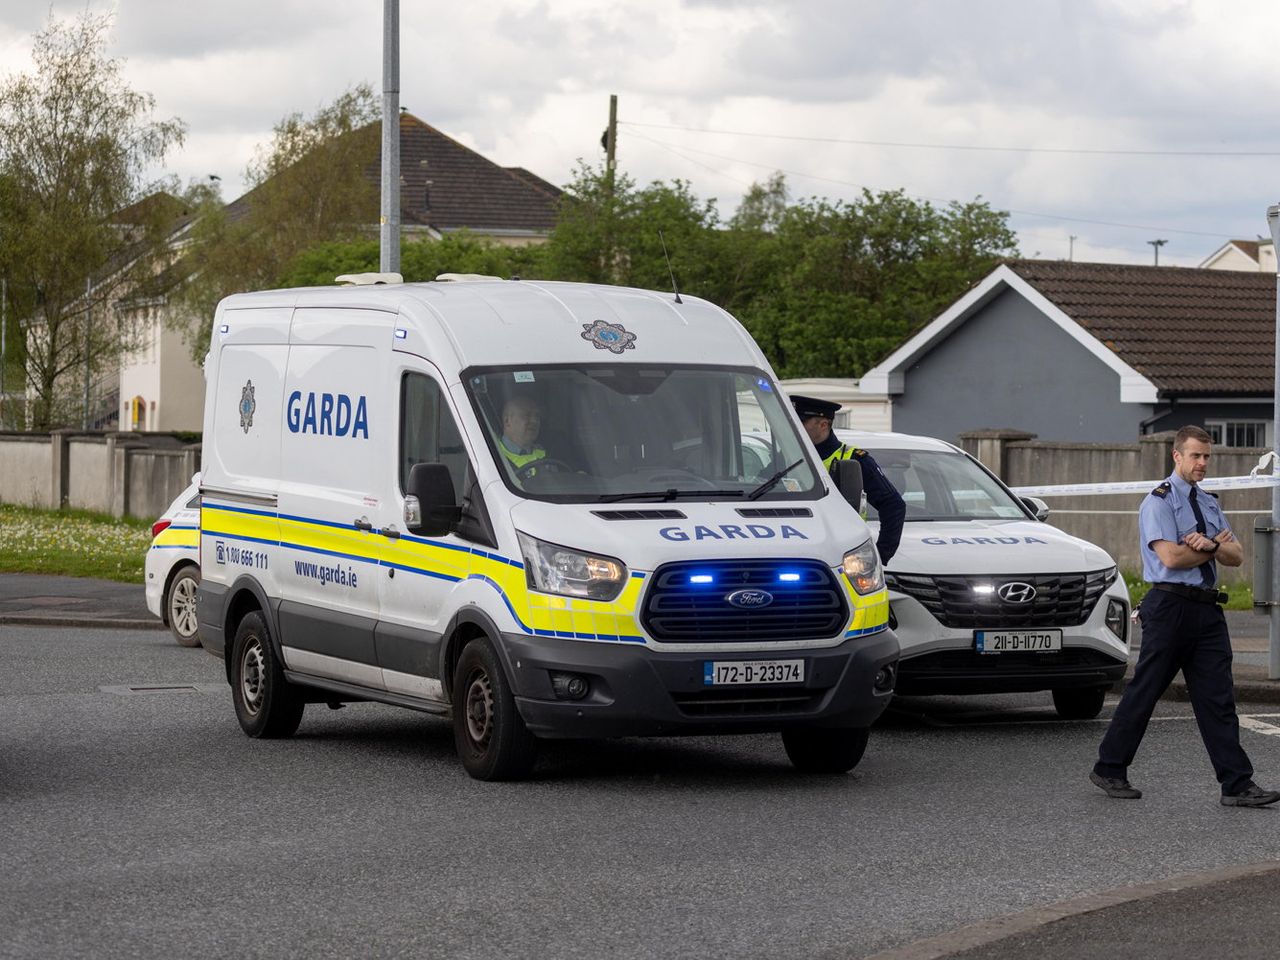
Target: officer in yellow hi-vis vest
816, 416
521, 422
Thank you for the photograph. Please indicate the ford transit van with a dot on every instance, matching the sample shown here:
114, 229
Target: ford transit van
528, 507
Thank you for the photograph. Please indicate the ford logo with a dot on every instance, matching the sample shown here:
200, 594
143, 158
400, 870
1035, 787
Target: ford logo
1016, 592
750, 599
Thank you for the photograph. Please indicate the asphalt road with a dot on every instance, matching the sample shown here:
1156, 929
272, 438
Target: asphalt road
143, 823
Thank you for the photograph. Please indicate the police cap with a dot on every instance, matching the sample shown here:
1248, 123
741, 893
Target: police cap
807, 407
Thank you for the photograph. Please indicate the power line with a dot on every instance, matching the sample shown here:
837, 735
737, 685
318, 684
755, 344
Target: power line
979, 148
859, 186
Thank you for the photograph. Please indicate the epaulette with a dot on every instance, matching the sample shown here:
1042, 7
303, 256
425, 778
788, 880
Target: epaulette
1162, 491
858, 451
1212, 494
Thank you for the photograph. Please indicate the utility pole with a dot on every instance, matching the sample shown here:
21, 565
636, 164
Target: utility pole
1156, 245
389, 224
88, 327
1273, 666
4, 355
611, 143
1071, 248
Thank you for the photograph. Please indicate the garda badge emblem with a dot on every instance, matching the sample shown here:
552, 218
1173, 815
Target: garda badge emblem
247, 406
613, 337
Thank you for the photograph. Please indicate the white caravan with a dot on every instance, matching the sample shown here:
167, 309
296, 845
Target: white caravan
985, 597
529, 506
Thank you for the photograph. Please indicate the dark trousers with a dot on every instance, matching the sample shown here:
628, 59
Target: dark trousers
1180, 634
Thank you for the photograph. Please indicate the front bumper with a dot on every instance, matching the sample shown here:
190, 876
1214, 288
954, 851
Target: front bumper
943, 660
636, 691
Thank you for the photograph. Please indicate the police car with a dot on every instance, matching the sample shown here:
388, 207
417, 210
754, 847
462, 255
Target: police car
373, 529
985, 596
172, 566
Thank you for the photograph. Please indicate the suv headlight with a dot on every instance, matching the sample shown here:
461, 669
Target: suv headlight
862, 566
550, 568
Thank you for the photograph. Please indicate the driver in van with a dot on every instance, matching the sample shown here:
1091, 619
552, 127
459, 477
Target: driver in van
521, 422
816, 417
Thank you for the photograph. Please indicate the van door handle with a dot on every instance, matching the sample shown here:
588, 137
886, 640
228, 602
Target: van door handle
362, 523
390, 532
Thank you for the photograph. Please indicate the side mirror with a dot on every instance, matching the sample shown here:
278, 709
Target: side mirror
1037, 506
430, 504
847, 475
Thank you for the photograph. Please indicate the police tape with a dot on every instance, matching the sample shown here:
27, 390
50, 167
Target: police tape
1253, 481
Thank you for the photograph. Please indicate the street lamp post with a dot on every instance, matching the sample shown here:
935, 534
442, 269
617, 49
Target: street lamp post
1156, 245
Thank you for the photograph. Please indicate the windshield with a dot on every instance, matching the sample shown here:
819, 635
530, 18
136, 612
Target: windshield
623, 433
944, 485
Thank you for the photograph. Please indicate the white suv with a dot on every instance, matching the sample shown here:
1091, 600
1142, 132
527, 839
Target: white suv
985, 597
173, 565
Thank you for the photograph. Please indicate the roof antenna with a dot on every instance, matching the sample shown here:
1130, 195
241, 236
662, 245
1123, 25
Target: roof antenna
662, 241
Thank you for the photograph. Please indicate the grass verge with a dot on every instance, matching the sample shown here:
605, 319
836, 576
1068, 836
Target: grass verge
73, 543
1241, 593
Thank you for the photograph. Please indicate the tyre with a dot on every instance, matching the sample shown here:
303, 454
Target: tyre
180, 605
267, 705
1083, 703
823, 750
493, 742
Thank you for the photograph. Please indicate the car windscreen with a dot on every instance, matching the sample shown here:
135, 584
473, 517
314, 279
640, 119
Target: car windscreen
629, 433
945, 485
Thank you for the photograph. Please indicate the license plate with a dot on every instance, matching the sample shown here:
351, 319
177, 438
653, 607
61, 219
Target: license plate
718, 673
1018, 641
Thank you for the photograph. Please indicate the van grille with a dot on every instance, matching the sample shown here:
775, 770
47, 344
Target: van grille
678, 609
1062, 600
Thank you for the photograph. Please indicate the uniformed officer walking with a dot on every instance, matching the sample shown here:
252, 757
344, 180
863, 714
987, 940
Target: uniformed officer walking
1184, 536
817, 415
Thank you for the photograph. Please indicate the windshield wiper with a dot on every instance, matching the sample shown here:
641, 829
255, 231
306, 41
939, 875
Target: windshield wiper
667, 495
769, 484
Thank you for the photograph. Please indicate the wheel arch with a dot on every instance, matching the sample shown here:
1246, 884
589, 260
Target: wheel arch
466, 625
246, 596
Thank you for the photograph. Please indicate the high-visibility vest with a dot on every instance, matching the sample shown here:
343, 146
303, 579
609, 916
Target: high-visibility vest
844, 452
519, 460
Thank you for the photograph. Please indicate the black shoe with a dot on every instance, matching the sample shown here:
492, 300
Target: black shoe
1118, 788
1251, 796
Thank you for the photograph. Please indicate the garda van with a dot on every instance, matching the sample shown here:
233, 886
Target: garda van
985, 596
529, 507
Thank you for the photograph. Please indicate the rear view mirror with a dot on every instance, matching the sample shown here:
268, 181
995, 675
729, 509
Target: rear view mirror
1037, 506
430, 505
847, 475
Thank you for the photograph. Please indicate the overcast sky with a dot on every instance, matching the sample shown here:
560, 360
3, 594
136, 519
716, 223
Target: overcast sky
527, 83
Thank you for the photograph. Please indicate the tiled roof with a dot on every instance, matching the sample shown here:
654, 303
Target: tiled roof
1248, 247
1189, 331
446, 186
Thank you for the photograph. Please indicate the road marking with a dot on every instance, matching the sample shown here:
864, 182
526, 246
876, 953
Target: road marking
1259, 726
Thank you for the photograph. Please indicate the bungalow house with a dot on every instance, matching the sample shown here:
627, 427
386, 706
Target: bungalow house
1092, 352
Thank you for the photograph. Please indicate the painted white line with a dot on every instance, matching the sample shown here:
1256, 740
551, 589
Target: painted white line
1259, 726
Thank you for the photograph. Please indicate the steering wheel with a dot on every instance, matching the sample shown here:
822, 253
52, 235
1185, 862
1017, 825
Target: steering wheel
532, 467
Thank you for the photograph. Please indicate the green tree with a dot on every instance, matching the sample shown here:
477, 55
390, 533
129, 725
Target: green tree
849, 281
79, 228
309, 186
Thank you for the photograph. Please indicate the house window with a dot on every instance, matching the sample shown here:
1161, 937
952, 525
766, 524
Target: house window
1239, 433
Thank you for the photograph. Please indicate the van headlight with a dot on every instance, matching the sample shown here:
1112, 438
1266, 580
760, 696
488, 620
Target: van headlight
862, 566
550, 568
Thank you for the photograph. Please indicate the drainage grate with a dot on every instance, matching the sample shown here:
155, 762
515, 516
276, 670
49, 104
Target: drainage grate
143, 689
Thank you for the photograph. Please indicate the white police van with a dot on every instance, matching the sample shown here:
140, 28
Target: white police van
985, 597
371, 530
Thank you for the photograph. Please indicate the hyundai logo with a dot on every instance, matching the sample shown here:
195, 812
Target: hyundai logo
1016, 592
750, 599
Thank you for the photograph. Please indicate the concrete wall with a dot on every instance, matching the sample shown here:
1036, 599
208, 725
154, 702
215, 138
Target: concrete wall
1112, 521
26, 465
121, 474
87, 488
1008, 366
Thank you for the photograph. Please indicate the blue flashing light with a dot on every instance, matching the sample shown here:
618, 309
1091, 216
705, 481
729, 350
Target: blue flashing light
401, 333
764, 385
789, 577
702, 578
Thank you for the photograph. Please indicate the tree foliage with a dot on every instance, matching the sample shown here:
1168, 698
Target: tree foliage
308, 187
75, 144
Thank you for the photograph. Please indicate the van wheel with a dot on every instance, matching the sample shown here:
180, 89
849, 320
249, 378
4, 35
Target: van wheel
825, 750
267, 705
1079, 703
181, 607
493, 742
